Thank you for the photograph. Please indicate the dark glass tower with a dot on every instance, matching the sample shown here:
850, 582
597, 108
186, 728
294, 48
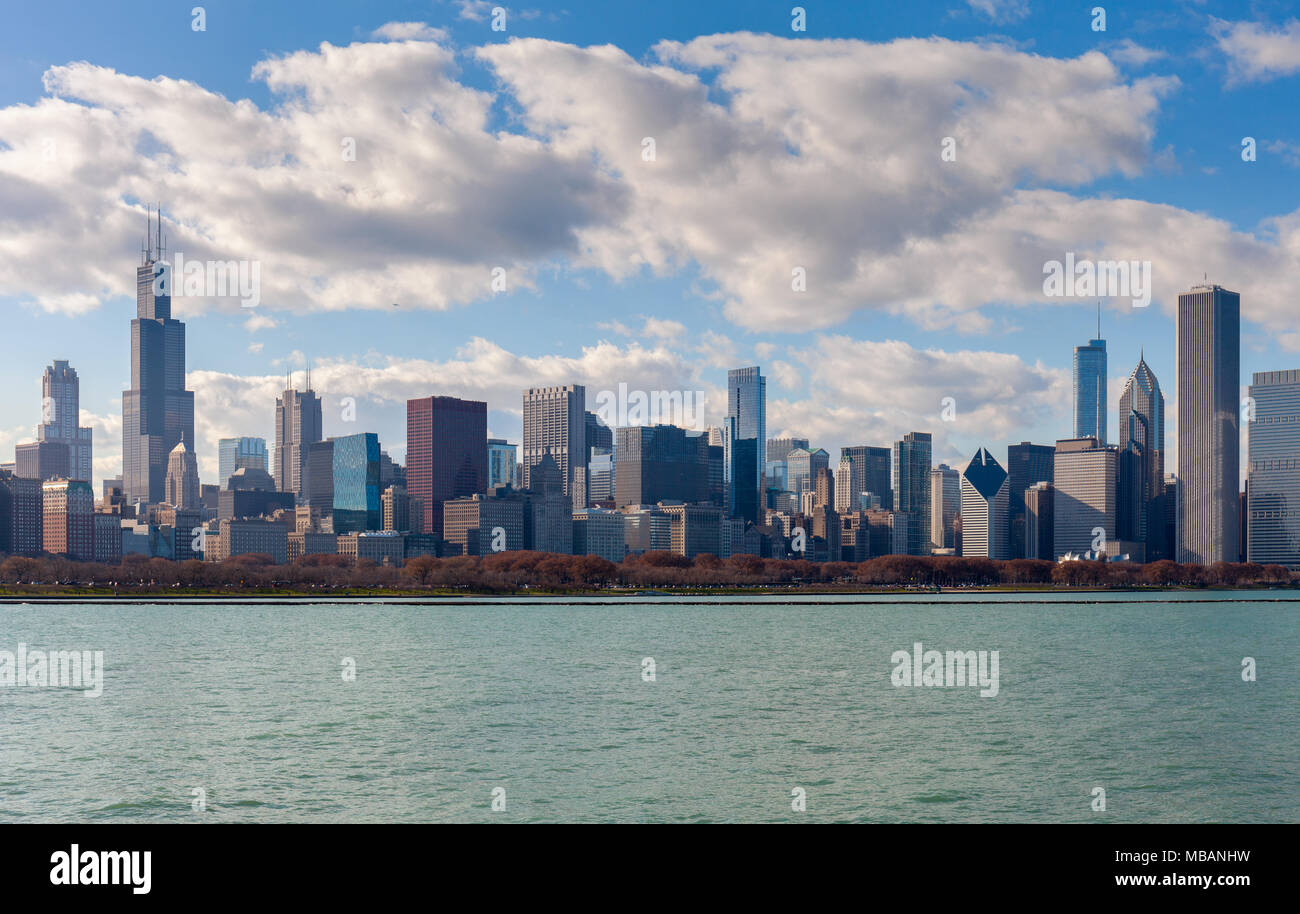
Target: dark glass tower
157, 412
912, 459
1027, 465
747, 404
1142, 435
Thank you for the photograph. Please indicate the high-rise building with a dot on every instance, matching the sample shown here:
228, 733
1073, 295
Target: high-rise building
446, 453
479, 522
356, 484
945, 506
1209, 437
984, 503
598, 434
844, 497
802, 466
42, 460
298, 426
555, 423
1273, 470
181, 485
912, 460
22, 513
1090, 388
740, 471
1040, 521
660, 463
1142, 436
233, 453
501, 463
395, 505
600, 475
68, 509
871, 473
157, 412
1027, 465
1086, 474
61, 411
747, 404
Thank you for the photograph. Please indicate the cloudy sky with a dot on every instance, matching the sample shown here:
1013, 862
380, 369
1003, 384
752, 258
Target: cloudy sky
648, 180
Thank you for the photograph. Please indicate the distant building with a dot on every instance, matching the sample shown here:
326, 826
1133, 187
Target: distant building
356, 507
871, 472
1273, 470
912, 463
68, 525
22, 512
984, 504
600, 475
747, 406
303, 543
501, 463
233, 453
945, 506
599, 532
802, 466
694, 529
477, 522
554, 423
661, 463
181, 485
396, 507
446, 454
1142, 435
741, 471
42, 460
106, 538
646, 528
385, 548
248, 537
1209, 437
298, 426
1090, 390
1040, 521
1085, 497
1027, 465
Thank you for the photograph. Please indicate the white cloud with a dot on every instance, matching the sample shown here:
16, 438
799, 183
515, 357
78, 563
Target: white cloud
1000, 10
1255, 52
409, 31
1132, 54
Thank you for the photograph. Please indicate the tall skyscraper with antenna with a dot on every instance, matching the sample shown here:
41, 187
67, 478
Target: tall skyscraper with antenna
1090, 387
297, 427
157, 412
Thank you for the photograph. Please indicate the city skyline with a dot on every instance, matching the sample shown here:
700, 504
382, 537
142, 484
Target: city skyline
841, 374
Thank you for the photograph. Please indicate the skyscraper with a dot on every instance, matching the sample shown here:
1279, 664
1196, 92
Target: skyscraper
181, 484
297, 427
501, 463
1273, 490
357, 508
233, 453
747, 404
446, 453
157, 412
660, 463
740, 471
555, 423
1090, 388
61, 411
1084, 497
945, 506
912, 459
1209, 391
984, 507
1027, 465
870, 473
1142, 436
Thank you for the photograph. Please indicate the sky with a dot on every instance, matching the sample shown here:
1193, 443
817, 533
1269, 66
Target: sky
644, 193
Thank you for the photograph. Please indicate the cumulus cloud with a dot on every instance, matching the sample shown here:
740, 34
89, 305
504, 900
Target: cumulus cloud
770, 155
1256, 52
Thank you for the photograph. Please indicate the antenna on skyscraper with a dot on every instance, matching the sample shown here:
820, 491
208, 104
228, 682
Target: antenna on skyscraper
159, 229
1099, 318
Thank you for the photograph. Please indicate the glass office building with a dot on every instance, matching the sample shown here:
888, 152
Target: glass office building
357, 507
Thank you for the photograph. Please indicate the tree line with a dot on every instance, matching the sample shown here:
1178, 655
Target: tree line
508, 572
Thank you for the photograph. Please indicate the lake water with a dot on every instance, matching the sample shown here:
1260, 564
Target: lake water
749, 702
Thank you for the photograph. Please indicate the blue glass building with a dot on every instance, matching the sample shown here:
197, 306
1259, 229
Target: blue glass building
356, 484
1090, 391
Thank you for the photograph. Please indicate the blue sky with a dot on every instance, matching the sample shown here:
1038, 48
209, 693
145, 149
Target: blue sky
1161, 133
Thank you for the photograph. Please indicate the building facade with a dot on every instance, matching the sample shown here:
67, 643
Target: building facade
446, 454
984, 507
1273, 470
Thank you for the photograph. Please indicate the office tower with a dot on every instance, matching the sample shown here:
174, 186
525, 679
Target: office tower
1090, 388
945, 506
694, 529
1027, 465
600, 475
844, 486
233, 453
747, 404
68, 509
22, 513
547, 511
775, 470
251, 492
446, 453
984, 504
1273, 470
42, 460
61, 411
395, 505
740, 471
472, 522
318, 486
298, 426
157, 412
1084, 507
181, 485
661, 463
872, 468
715, 435
1170, 506
802, 466
555, 424
1040, 521
599, 532
356, 484
1209, 365
1142, 435
598, 434
501, 463
912, 459
824, 489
